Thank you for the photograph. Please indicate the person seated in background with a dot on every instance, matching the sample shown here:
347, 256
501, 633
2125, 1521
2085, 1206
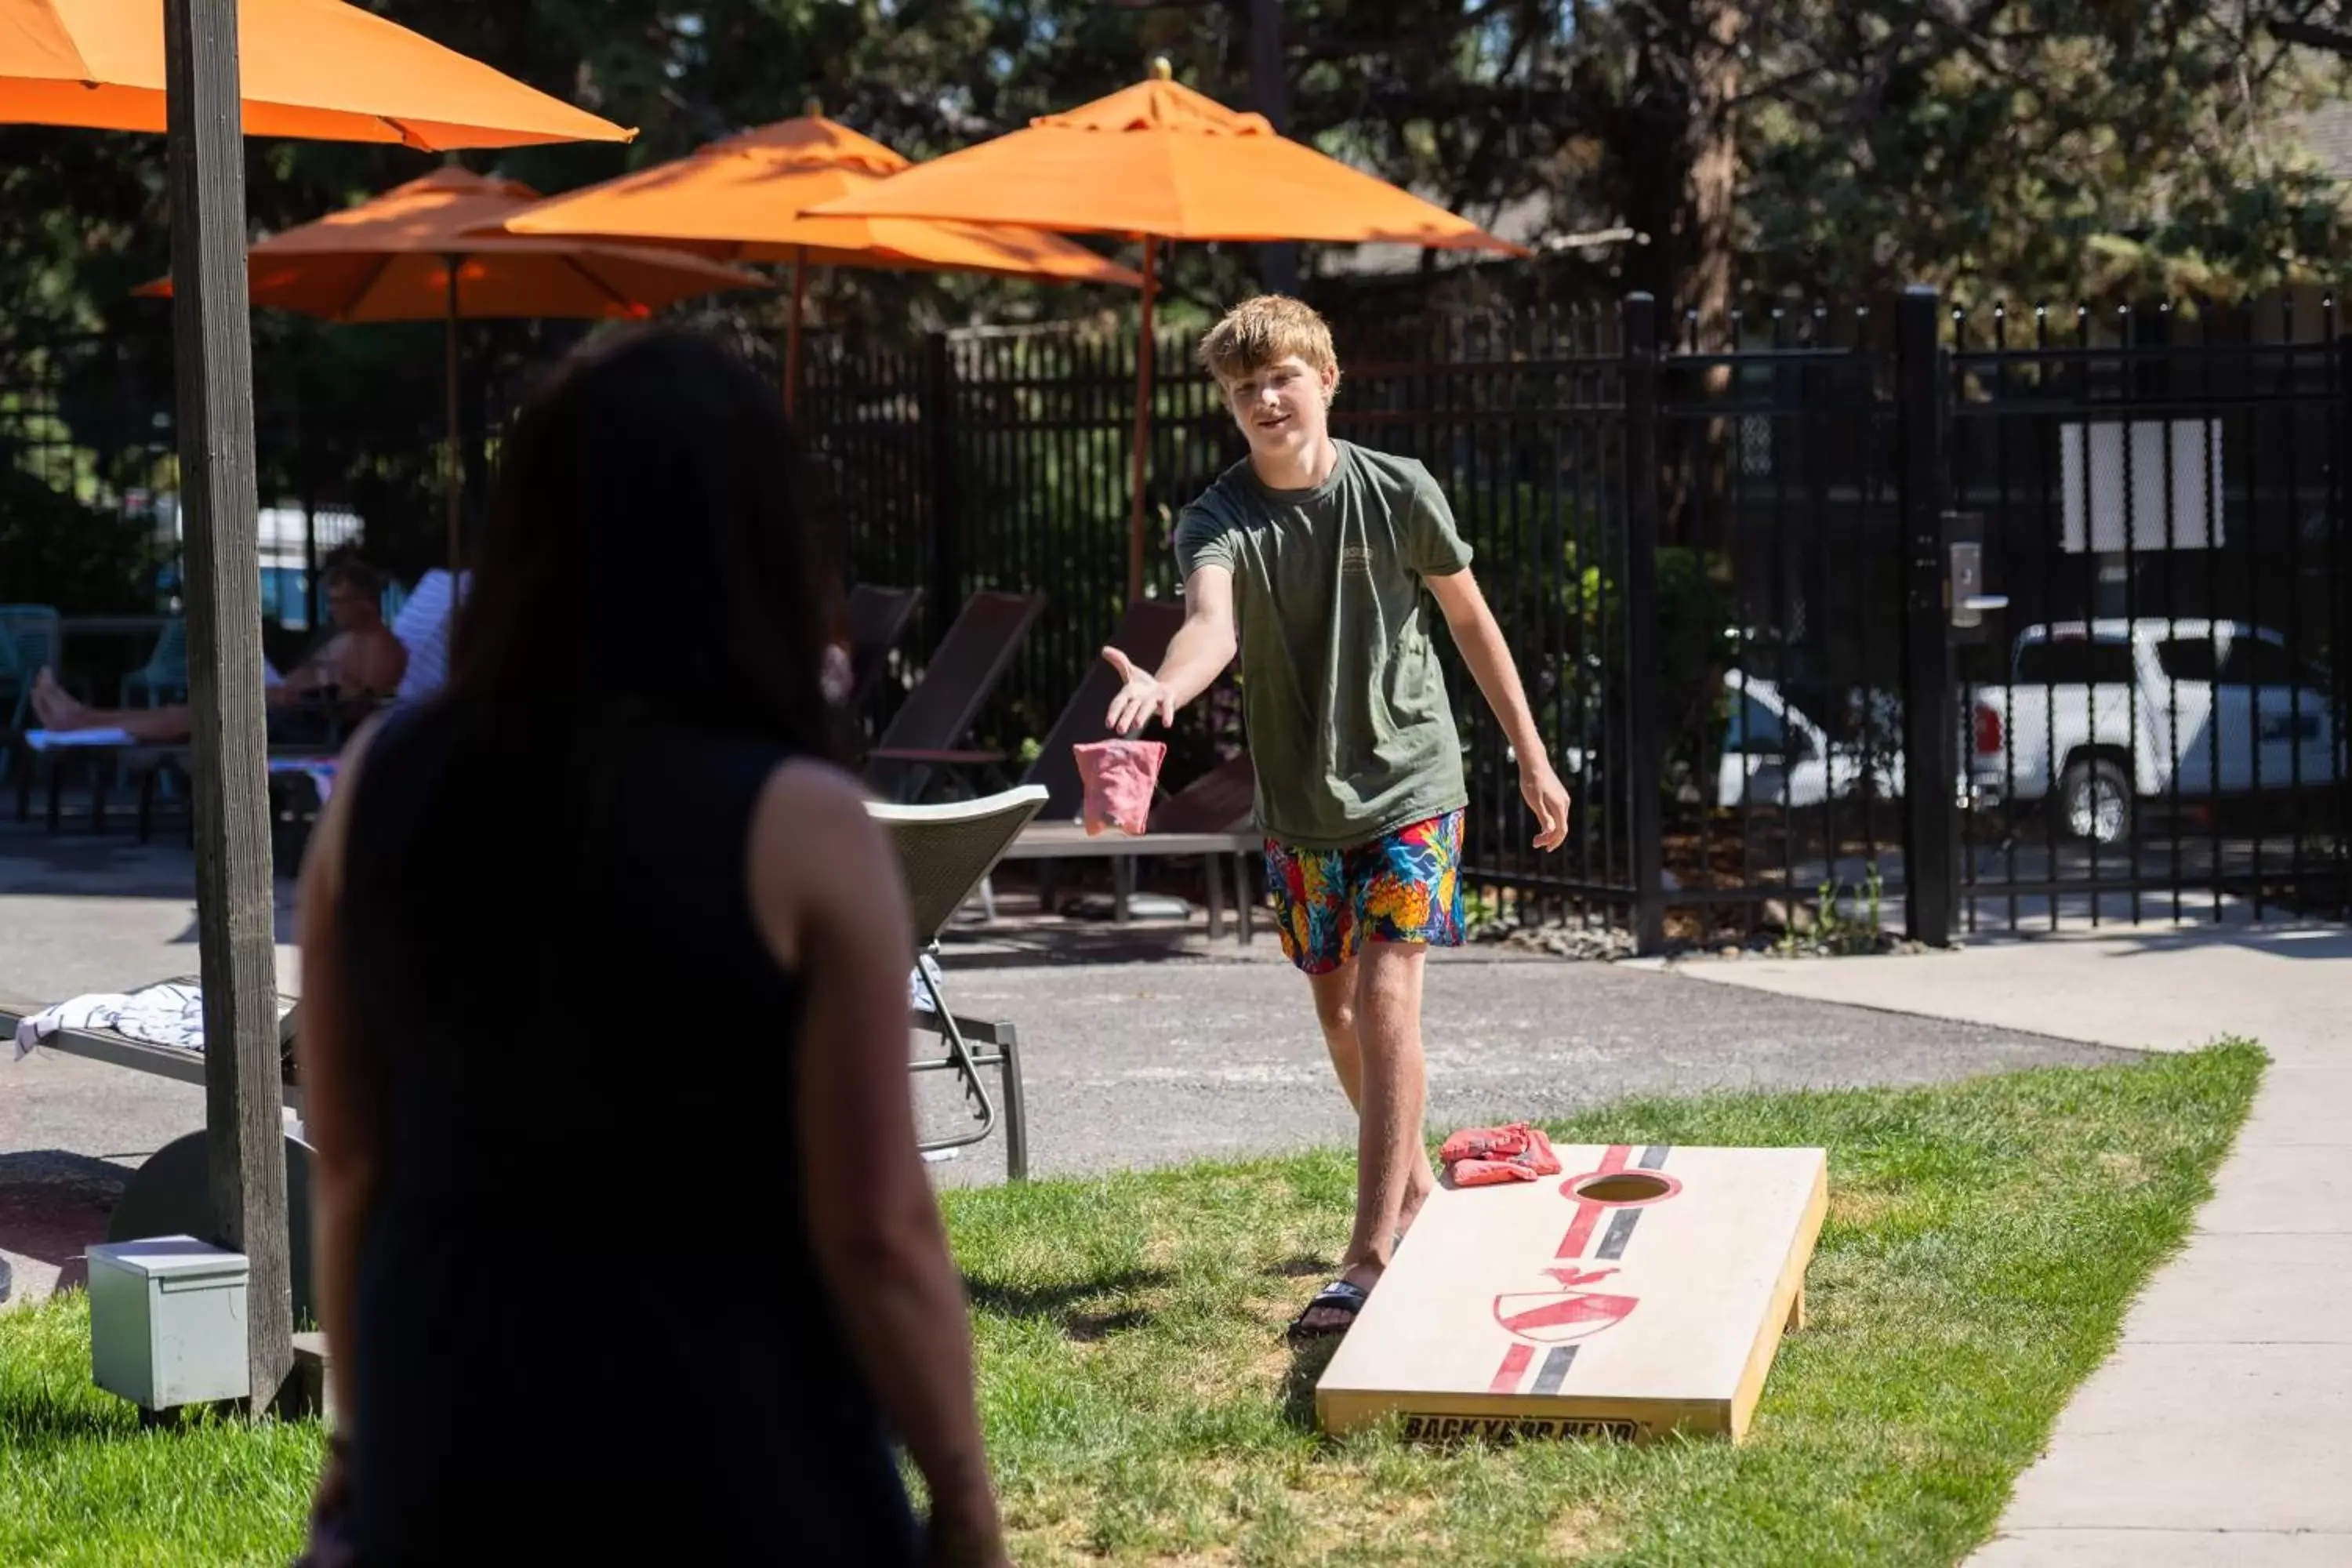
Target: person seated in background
361, 663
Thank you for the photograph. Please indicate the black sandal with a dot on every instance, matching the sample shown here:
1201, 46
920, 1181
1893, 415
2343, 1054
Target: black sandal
1340, 1296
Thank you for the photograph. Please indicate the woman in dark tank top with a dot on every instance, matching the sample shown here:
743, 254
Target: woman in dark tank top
625, 1251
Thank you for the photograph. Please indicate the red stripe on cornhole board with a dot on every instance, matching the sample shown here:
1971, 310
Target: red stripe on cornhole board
1588, 1214
1514, 1367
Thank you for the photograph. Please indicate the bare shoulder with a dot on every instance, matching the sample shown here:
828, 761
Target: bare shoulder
809, 793
811, 836
381, 660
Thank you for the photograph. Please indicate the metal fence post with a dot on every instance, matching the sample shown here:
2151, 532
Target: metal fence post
1930, 705
2339, 627
942, 518
1637, 319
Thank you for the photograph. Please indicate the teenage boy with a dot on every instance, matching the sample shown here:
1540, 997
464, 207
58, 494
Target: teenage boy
1316, 560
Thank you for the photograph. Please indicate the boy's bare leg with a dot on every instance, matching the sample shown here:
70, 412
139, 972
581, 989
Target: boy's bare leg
1335, 1009
1369, 1009
1392, 1174
1395, 1081
1338, 1003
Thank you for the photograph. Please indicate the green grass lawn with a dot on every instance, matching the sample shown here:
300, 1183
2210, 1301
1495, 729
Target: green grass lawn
1983, 1239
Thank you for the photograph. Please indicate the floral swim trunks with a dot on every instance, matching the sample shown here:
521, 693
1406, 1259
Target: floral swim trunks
1403, 886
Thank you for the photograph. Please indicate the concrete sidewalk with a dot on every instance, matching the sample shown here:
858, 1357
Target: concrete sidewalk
2220, 1432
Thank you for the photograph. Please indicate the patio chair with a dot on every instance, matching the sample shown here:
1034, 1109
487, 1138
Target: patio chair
878, 619
170, 1193
1210, 817
164, 676
32, 638
1143, 634
944, 853
961, 674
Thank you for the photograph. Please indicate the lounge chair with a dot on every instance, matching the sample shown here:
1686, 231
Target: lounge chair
879, 619
1210, 817
164, 676
1143, 634
422, 624
928, 731
170, 1193
945, 852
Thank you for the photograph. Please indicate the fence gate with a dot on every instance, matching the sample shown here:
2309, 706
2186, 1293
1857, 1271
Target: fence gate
2153, 725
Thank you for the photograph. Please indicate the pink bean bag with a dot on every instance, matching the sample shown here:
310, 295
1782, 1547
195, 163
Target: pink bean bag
1119, 776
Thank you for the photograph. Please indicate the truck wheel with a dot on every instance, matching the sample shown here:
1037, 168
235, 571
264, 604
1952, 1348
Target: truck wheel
2097, 800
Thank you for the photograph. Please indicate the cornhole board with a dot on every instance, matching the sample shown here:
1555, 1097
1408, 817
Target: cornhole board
1641, 1291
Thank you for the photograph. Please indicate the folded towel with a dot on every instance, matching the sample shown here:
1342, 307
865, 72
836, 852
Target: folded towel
167, 1014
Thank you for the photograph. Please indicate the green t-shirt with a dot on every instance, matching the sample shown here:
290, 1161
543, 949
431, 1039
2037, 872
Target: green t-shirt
1341, 692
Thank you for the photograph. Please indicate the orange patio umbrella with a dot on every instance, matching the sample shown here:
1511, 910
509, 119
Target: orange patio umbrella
745, 199
1158, 162
431, 250
317, 70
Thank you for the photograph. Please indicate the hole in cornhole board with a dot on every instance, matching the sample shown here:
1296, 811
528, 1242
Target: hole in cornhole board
1623, 1188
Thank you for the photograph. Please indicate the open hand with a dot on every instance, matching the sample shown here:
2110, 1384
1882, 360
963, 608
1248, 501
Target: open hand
1546, 797
1141, 698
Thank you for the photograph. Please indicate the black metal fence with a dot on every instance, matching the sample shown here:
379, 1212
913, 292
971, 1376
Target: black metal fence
1725, 560
2156, 724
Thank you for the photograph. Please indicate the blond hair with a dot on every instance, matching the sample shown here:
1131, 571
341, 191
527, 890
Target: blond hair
1262, 331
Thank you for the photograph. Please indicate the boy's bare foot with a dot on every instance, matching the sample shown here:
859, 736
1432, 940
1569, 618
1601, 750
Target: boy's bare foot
1333, 1311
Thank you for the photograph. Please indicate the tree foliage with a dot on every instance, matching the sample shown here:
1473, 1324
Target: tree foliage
1822, 147
1830, 144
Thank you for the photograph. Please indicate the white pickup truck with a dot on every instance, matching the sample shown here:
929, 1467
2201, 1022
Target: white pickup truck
2118, 712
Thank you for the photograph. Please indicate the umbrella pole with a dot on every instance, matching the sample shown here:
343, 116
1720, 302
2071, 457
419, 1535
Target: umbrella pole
793, 332
454, 484
1143, 427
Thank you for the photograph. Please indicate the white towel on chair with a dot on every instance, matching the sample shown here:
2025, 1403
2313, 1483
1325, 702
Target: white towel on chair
423, 627
167, 1014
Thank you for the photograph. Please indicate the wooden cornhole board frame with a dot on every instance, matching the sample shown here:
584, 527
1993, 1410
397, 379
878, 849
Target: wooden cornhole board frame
1644, 1290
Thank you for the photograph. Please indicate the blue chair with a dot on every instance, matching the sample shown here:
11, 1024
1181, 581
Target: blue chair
164, 676
31, 640
33, 637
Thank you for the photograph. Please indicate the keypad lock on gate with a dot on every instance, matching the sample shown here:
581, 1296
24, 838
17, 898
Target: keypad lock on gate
1964, 591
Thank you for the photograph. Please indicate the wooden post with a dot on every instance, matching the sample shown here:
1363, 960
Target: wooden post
235, 914
457, 478
793, 332
1143, 462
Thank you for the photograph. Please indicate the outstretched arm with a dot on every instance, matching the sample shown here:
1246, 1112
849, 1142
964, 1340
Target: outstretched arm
1481, 642
1197, 655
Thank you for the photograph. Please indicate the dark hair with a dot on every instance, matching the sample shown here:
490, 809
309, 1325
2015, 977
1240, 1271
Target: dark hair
651, 555
355, 575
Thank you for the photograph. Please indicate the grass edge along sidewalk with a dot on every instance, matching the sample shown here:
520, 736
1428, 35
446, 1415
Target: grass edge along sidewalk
1984, 1240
